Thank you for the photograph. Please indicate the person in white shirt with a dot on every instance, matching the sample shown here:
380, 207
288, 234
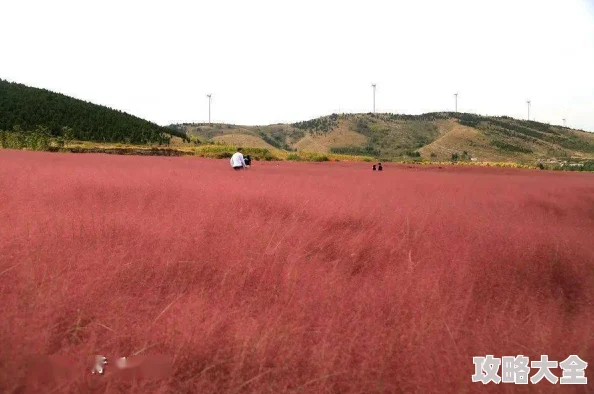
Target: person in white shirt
237, 161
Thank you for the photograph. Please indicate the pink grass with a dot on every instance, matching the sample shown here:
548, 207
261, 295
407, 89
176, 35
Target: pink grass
290, 277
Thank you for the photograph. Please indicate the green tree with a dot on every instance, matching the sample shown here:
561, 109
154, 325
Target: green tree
40, 138
68, 134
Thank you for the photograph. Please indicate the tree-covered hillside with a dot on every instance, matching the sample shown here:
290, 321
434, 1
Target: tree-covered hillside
26, 108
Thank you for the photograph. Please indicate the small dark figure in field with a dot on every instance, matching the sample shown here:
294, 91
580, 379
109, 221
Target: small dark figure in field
248, 161
373, 167
379, 167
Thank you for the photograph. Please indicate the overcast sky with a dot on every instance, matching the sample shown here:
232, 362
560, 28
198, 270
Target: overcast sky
280, 61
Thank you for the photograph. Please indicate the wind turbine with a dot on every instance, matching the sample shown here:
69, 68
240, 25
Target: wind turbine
373, 85
456, 96
209, 101
529, 103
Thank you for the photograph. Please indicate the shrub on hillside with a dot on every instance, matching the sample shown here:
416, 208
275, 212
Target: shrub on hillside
278, 140
469, 123
509, 147
355, 150
322, 124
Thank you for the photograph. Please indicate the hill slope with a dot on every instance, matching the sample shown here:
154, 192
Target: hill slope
435, 136
28, 108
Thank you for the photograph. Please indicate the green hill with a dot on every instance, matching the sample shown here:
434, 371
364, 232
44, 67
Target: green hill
41, 115
27, 109
433, 136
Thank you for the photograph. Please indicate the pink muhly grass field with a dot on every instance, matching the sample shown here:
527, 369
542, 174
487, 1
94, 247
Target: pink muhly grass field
290, 277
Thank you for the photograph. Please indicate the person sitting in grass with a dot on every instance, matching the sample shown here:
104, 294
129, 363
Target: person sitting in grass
237, 161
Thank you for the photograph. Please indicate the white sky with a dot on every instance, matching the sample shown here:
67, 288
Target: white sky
280, 61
